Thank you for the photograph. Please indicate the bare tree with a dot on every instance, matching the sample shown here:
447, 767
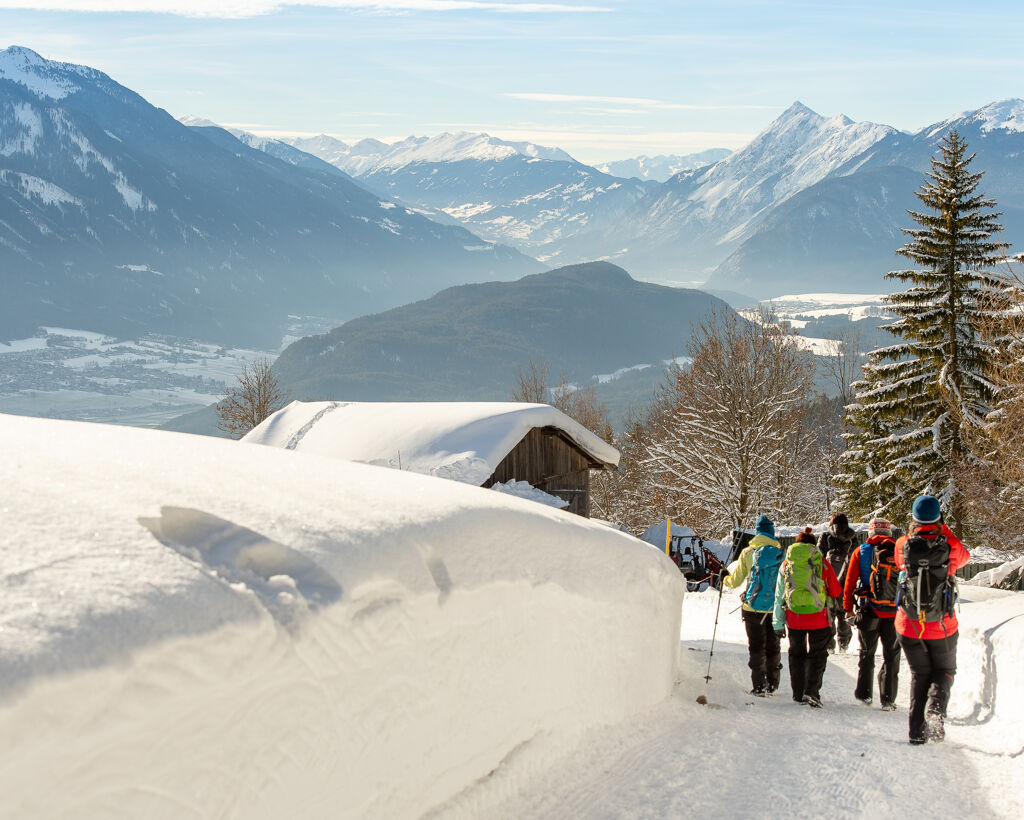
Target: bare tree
581, 404
532, 386
256, 395
842, 361
727, 441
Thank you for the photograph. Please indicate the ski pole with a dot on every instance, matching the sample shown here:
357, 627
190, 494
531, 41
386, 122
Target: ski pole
714, 632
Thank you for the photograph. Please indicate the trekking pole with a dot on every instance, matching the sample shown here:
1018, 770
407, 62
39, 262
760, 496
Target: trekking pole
714, 632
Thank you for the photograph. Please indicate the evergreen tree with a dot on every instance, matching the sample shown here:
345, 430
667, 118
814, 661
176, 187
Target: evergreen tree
932, 387
867, 486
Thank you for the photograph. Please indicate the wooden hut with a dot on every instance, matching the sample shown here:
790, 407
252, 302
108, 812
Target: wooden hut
479, 443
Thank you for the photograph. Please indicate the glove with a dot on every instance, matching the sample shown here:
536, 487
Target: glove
781, 632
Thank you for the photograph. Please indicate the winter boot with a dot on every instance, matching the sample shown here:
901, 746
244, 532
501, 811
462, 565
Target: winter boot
934, 729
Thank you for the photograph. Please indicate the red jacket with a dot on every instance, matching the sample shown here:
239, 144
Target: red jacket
958, 556
853, 575
813, 620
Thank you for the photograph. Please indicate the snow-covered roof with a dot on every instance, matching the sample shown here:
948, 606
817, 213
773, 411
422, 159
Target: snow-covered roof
462, 441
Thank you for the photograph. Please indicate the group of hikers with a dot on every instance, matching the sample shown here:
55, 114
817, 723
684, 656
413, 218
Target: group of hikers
900, 593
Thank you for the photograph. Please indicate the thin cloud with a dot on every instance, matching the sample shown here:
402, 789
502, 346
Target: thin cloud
639, 102
255, 8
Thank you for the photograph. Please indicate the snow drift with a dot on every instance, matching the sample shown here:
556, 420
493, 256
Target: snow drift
191, 627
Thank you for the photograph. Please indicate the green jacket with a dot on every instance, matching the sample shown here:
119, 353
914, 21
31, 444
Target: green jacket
735, 579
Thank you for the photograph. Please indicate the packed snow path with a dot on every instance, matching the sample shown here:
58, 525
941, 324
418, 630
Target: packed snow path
742, 756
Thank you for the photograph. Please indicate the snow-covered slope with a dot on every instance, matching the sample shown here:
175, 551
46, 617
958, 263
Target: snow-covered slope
1003, 115
197, 627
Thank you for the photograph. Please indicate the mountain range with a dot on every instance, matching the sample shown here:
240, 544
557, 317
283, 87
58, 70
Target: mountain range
116, 217
524, 195
811, 202
663, 166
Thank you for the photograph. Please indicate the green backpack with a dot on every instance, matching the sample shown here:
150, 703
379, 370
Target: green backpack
804, 589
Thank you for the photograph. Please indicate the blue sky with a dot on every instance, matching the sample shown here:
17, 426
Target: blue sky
601, 79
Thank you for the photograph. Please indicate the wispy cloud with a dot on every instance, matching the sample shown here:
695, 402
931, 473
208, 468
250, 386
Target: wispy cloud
638, 102
254, 8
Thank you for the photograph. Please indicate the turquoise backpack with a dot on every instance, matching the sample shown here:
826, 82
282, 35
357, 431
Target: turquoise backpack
764, 573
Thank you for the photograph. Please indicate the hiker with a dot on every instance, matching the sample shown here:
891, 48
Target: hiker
869, 599
836, 544
760, 561
802, 590
928, 555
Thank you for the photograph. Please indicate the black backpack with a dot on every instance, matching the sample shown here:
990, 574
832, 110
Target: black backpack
928, 593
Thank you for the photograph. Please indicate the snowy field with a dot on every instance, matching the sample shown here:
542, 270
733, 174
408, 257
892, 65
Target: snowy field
143, 382
798, 310
195, 627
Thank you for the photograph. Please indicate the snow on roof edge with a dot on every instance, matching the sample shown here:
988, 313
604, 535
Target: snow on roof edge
463, 441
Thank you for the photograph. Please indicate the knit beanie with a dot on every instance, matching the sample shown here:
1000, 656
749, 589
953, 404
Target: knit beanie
764, 526
926, 509
805, 537
879, 526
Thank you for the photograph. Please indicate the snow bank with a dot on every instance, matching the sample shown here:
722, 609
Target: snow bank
193, 627
995, 576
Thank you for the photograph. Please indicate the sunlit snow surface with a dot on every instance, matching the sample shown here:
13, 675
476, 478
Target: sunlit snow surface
196, 627
746, 757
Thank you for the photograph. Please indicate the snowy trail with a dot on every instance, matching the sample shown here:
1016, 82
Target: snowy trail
748, 757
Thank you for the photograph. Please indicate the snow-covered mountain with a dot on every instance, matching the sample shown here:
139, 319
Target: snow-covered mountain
846, 228
367, 156
115, 217
517, 193
684, 228
663, 166
809, 197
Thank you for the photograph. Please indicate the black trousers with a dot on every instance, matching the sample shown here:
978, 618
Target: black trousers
808, 654
765, 650
841, 631
932, 669
870, 630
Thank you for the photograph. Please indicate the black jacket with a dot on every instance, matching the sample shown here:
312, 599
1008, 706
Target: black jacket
836, 548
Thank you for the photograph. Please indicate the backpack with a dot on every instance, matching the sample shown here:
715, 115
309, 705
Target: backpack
928, 592
764, 572
804, 588
879, 575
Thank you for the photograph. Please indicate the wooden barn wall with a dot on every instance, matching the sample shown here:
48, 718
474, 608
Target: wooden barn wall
550, 463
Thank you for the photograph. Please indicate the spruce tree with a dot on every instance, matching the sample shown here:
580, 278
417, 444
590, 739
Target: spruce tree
867, 486
932, 386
